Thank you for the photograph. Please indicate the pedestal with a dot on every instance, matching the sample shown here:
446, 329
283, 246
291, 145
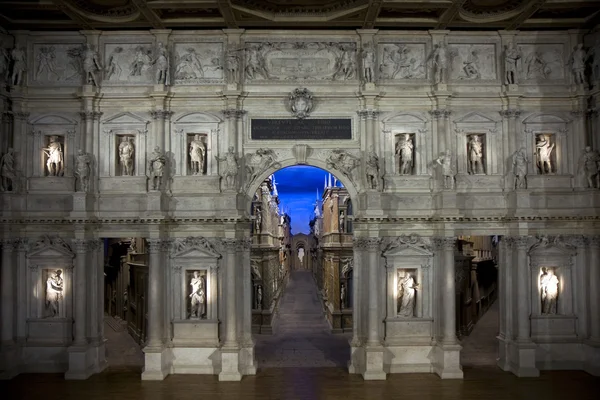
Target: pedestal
512, 88
89, 90
159, 88
440, 87
374, 364
156, 363
9, 361
523, 364
83, 203
447, 361
230, 365
81, 364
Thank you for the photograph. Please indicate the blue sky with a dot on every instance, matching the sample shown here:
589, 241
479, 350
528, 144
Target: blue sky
297, 187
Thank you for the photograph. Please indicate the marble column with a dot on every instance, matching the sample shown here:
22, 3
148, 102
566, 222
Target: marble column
230, 361
81, 247
161, 117
154, 333
449, 292
594, 288
8, 294
524, 309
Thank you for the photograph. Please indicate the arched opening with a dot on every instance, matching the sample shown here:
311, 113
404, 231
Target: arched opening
302, 260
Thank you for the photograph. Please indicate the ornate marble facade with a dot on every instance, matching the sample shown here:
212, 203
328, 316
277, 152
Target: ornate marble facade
406, 212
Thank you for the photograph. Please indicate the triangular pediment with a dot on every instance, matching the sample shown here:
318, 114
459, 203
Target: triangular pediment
406, 118
194, 247
475, 118
126, 118
406, 246
544, 119
52, 119
408, 250
50, 248
197, 118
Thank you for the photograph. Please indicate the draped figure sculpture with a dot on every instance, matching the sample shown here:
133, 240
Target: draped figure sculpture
126, 151
589, 164
197, 296
549, 287
475, 151
407, 291
544, 153
55, 160
54, 293
83, 170
156, 168
404, 150
197, 155
519, 162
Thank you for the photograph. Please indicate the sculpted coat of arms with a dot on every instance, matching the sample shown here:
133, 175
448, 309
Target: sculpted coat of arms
301, 103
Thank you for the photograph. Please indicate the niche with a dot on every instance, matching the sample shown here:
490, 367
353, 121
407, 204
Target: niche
125, 160
545, 153
405, 153
196, 153
53, 155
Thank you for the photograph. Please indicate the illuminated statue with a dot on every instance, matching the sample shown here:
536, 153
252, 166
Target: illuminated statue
549, 287
126, 151
54, 292
544, 152
475, 148
197, 155
198, 296
405, 149
407, 291
55, 160
520, 161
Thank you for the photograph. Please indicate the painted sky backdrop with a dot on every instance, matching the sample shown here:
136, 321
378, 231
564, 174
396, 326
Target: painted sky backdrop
297, 187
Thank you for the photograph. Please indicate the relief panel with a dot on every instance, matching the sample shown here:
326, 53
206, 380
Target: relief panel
195, 63
59, 64
473, 62
402, 61
541, 62
128, 63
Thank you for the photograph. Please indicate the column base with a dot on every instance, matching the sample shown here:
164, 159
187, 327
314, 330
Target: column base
522, 362
157, 363
447, 361
503, 354
230, 365
9, 361
247, 360
81, 362
592, 356
356, 365
374, 364
99, 352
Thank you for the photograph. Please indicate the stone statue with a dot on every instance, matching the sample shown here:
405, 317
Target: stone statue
197, 155
549, 287
404, 150
589, 164
368, 63
229, 173
258, 220
439, 57
407, 291
343, 162
577, 63
475, 151
259, 297
446, 162
112, 67
342, 222
233, 66
519, 162
544, 153
156, 168
132, 246
255, 63
343, 296
161, 63
594, 55
372, 170
511, 57
54, 293
19, 60
198, 297
126, 151
46, 63
83, 170
90, 64
7, 171
139, 61
55, 159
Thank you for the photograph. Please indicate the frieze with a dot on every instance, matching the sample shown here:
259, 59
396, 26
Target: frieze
401, 61
57, 64
412, 240
129, 63
472, 62
542, 62
197, 63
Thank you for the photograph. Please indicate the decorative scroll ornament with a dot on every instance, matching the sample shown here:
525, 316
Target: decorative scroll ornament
301, 102
258, 162
47, 241
189, 243
412, 240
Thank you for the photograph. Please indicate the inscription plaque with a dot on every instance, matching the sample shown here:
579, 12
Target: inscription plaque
301, 129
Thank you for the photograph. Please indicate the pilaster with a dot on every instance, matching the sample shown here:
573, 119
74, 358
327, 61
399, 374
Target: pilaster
230, 351
8, 350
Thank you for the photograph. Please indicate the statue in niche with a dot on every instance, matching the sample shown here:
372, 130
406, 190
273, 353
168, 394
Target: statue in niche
404, 150
372, 170
342, 222
90, 65
475, 151
258, 220
156, 168
512, 55
519, 162
198, 297
112, 67
46, 63
342, 296
140, 60
577, 63
83, 170
368, 63
549, 287
19, 65
259, 297
255, 63
544, 152
471, 66
197, 155
161, 63
8, 172
439, 58
54, 293
233, 66
229, 173
537, 66
345, 64
589, 164
446, 162
301, 102
407, 291
55, 160
189, 66
126, 151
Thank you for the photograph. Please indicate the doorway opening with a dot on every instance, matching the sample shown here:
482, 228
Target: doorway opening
302, 264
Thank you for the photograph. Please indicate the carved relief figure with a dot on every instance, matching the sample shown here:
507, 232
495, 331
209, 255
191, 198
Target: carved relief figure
577, 63
19, 60
46, 64
301, 102
90, 65
446, 162
197, 155
83, 170
589, 165
258, 162
404, 150
54, 293
140, 62
342, 296
439, 59
512, 56
229, 173
402, 61
126, 151
519, 162
113, 69
537, 66
156, 168
368, 63
544, 152
161, 64
258, 220
475, 152
342, 222
543, 62
471, 66
197, 296
345, 63
259, 297
233, 66
7, 171
407, 291
549, 287
372, 170
343, 162
54, 157
255, 63
189, 66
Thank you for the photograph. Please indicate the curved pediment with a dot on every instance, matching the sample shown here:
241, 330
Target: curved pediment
52, 119
125, 118
475, 117
197, 118
194, 247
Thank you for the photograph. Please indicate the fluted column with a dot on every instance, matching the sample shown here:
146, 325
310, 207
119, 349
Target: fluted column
594, 285
229, 294
155, 332
81, 247
449, 291
373, 338
523, 276
8, 295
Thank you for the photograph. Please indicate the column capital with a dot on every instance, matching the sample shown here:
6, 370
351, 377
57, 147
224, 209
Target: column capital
440, 113
522, 242
368, 114
21, 115
510, 113
367, 243
86, 115
157, 245
231, 244
577, 240
594, 241
23, 244
446, 243
578, 113
9, 245
161, 114
233, 113
82, 246
7, 116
